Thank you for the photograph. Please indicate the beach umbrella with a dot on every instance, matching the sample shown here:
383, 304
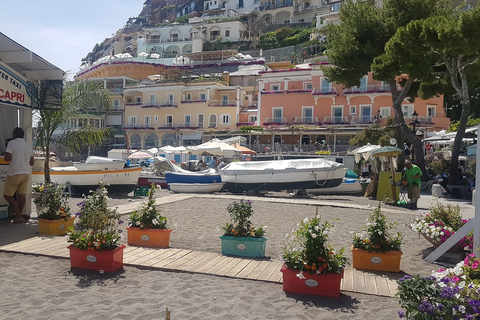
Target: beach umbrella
142, 54
387, 151
155, 56
140, 155
365, 152
214, 147
243, 149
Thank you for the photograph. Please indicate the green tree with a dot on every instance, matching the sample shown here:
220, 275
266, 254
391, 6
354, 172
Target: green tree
353, 45
376, 134
56, 109
445, 47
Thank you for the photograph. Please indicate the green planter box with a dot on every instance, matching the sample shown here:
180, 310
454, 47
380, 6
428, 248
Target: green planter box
243, 246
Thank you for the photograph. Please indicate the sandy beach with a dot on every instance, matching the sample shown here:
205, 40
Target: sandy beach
38, 287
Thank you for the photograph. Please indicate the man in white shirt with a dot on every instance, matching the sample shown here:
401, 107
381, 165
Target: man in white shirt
20, 155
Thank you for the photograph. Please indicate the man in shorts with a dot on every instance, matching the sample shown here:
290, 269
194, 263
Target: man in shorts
412, 175
20, 155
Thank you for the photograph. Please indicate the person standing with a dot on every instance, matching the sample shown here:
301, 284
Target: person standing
365, 170
412, 175
20, 155
213, 163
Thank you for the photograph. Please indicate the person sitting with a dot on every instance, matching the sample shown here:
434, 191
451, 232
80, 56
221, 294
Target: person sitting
436, 180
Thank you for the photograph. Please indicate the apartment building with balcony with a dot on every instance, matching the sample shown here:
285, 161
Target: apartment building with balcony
301, 107
178, 113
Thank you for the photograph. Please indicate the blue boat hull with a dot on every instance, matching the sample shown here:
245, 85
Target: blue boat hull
173, 177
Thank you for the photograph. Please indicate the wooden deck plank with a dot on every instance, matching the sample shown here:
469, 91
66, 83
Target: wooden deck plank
248, 269
132, 254
40, 244
392, 282
163, 259
277, 275
148, 254
258, 270
370, 283
14, 246
177, 255
177, 263
382, 286
219, 266
203, 255
358, 281
229, 266
237, 268
56, 248
347, 281
209, 264
269, 270
199, 261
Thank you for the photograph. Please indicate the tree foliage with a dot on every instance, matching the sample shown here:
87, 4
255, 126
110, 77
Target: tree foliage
377, 134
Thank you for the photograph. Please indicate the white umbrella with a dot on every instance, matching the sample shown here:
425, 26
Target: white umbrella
142, 54
140, 155
155, 56
365, 152
214, 147
170, 149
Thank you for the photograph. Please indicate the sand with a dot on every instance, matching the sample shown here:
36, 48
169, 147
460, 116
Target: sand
38, 287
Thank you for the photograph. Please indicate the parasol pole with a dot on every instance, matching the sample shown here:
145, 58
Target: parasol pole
394, 185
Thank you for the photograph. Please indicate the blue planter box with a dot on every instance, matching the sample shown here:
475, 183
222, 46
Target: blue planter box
243, 246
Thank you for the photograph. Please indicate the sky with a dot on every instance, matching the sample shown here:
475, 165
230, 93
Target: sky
64, 32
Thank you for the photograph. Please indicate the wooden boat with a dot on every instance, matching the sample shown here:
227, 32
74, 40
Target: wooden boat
277, 175
196, 187
99, 163
82, 181
156, 175
184, 176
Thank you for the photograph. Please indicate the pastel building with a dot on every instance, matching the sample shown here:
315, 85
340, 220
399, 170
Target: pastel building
300, 107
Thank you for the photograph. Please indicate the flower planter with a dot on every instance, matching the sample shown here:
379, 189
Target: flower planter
158, 238
243, 246
323, 285
54, 227
378, 261
458, 247
106, 260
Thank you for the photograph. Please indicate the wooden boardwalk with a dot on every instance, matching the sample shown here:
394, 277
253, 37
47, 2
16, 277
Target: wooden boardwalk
24, 239
216, 264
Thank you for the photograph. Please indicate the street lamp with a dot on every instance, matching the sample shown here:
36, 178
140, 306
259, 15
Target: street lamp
414, 129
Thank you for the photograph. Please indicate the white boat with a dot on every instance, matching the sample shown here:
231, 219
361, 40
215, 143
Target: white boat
276, 175
99, 163
196, 187
348, 186
82, 181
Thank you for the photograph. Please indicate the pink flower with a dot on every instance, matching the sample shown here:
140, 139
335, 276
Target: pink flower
455, 279
475, 264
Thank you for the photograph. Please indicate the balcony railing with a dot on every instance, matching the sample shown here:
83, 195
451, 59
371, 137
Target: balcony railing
178, 125
275, 121
336, 120
324, 91
222, 103
159, 104
305, 120
270, 6
167, 40
133, 103
138, 126
367, 89
193, 101
298, 91
241, 124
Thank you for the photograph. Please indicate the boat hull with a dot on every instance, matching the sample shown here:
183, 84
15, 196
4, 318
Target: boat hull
119, 181
348, 186
196, 187
148, 180
193, 177
282, 175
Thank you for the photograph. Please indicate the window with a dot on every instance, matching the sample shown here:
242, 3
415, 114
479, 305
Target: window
200, 120
212, 122
385, 112
363, 84
156, 118
252, 119
188, 120
227, 33
138, 99
151, 98
353, 109
431, 111
337, 114
277, 115
202, 96
307, 114
169, 121
225, 118
147, 120
307, 86
335, 6
365, 113
224, 100
326, 86
407, 111
131, 120
188, 97
275, 87
385, 86
170, 98
116, 104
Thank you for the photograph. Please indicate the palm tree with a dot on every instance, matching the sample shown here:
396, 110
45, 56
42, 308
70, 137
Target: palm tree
58, 106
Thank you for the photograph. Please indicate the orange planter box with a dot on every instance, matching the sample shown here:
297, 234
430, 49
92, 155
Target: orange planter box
106, 260
157, 238
378, 261
54, 227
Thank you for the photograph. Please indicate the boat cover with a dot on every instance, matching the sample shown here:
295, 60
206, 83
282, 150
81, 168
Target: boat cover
280, 165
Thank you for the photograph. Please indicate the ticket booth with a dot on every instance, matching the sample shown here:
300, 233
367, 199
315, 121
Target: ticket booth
21, 71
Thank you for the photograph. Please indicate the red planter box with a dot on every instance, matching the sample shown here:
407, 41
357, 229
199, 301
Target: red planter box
323, 285
106, 260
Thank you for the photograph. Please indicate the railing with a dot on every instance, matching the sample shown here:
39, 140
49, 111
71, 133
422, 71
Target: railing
367, 89
324, 91
193, 101
133, 103
298, 91
241, 124
306, 120
138, 126
159, 104
362, 120
426, 120
222, 103
178, 125
269, 6
167, 40
275, 120
335, 120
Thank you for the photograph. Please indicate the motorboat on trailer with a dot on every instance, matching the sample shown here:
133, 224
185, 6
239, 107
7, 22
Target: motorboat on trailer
277, 175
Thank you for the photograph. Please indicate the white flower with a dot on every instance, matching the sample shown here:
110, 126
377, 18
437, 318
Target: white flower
137, 223
301, 276
314, 235
305, 220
